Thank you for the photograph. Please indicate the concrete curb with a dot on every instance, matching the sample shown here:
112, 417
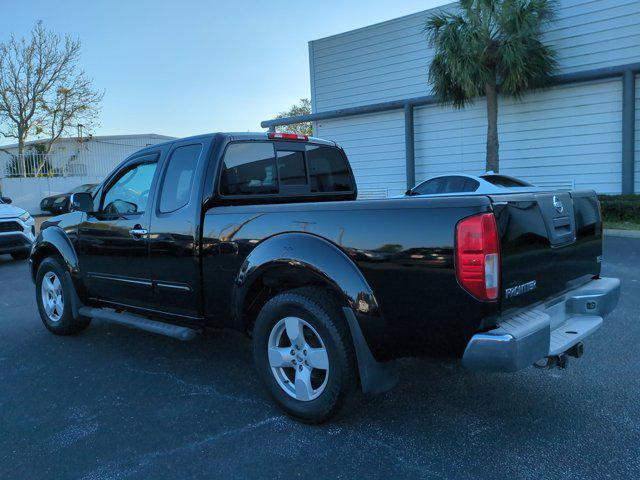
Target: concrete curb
610, 232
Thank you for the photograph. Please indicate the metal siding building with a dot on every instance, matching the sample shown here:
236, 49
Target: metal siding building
72, 162
570, 134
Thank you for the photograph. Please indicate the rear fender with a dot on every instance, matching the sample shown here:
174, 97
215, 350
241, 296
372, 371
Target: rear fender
301, 250
325, 260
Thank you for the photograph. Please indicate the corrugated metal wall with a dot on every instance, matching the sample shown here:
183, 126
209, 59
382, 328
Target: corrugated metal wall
375, 146
567, 133
637, 136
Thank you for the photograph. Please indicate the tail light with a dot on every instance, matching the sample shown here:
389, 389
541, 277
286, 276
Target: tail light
478, 256
287, 136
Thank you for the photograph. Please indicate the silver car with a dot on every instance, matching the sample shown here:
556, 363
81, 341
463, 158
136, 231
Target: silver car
17, 230
489, 183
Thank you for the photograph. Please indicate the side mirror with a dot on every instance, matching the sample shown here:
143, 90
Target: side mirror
409, 192
81, 202
6, 200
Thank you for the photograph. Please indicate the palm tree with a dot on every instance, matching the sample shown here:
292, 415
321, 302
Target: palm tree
486, 47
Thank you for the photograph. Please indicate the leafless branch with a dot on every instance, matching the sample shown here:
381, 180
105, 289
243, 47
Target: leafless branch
42, 90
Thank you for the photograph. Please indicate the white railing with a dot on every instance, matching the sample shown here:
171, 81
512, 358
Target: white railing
81, 164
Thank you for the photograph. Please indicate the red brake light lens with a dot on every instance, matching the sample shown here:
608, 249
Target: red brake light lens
287, 136
478, 256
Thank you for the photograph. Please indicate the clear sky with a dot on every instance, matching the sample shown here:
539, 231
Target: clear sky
186, 67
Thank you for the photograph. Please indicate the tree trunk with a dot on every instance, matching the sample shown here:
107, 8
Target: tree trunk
493, 160
21, 161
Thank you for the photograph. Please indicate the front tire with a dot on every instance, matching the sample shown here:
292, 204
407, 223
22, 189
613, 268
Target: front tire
304, 354
54, 292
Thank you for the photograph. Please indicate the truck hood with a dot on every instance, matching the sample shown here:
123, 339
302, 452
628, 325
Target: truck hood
9, 211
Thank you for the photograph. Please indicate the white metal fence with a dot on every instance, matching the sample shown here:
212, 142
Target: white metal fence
80, 164
31, 176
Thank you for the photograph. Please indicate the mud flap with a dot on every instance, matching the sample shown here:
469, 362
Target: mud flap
375, 377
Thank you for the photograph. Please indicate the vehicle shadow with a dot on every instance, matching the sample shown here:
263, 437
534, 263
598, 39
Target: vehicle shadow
430, 393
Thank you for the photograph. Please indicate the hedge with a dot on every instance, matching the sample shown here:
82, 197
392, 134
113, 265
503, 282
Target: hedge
620, 208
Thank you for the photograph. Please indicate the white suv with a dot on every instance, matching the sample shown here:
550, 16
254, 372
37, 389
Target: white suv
17, 230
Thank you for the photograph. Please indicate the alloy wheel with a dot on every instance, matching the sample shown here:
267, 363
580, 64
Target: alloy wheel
52, 299
298, 358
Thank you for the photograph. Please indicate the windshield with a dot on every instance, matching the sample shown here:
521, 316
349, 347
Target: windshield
504, 181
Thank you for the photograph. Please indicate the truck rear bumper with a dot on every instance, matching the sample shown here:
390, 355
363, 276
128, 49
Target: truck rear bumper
543, 331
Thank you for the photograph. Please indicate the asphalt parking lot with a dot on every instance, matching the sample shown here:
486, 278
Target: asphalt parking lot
119, 403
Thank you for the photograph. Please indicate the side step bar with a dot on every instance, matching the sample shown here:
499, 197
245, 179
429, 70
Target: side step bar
137, 321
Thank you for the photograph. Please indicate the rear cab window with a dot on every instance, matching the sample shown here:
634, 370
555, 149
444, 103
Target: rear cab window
328, 170
251, 168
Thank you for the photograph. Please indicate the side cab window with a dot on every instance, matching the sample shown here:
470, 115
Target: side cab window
178, 178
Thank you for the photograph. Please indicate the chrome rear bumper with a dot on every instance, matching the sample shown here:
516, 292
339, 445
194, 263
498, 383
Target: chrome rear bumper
543, 331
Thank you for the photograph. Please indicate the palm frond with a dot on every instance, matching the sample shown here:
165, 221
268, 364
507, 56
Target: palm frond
490, 41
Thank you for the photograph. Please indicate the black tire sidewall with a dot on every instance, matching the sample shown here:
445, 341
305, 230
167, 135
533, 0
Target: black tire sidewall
66, 322
292, 304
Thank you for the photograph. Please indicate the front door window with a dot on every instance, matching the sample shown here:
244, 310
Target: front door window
130, 193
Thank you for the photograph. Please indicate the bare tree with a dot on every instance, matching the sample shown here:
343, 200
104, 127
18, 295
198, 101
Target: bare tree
41, 87
303, 108
70, 105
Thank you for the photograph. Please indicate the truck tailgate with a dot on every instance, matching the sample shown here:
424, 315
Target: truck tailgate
550, 242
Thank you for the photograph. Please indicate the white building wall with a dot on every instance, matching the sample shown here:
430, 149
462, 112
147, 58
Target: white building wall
375, 147
390, 61
570, 133
637, 135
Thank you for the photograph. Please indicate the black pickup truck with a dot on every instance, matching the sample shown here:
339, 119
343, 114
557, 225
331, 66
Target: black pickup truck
263, 233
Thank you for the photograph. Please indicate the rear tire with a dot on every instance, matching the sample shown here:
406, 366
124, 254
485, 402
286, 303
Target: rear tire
312, 383
54, 293
21, 254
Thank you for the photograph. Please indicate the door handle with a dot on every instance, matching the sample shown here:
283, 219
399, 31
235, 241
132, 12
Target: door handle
138, 231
